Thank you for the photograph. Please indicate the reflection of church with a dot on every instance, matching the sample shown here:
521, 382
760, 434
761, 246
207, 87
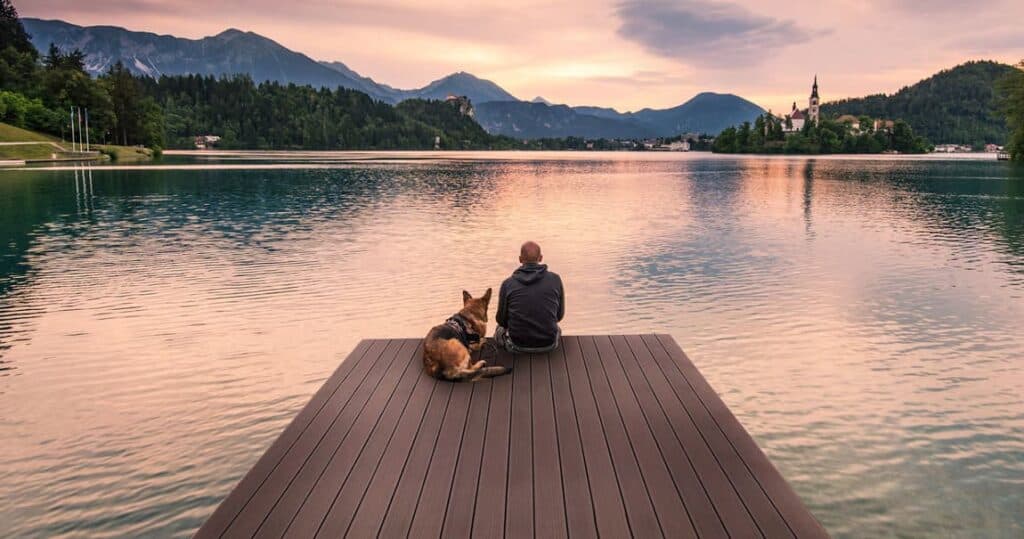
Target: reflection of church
800, 117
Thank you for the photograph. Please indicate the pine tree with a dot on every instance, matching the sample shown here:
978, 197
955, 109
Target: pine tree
12, 32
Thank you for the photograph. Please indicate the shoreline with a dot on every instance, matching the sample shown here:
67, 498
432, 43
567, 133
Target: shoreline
323, 159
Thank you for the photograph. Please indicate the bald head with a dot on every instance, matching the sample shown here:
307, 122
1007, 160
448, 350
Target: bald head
529, 253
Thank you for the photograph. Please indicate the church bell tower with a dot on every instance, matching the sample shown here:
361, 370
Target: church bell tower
812, 109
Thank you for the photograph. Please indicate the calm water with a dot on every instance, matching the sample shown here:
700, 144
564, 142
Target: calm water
863, 318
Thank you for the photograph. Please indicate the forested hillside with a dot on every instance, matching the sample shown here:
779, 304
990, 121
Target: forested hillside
956, 105
270, 115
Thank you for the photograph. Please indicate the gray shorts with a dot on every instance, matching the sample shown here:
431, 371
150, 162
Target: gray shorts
503, 340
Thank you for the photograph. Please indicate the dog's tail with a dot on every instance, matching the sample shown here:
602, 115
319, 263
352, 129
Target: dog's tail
480, 374
491, 372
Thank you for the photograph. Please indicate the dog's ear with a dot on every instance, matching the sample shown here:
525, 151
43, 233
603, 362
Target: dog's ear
487, 296
466, 297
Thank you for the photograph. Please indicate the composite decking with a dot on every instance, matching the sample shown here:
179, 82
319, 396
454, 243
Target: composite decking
611, 436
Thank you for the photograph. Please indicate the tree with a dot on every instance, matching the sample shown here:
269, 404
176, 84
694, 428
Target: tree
725, 142
760, 133
125, 96
17, 55
12, 32
55, 59
1011, 103
743, 138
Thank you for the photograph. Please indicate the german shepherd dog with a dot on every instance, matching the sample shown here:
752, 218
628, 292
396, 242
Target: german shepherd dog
448, 348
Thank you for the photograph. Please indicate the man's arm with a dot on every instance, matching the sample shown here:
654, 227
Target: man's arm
561, 300
502, 315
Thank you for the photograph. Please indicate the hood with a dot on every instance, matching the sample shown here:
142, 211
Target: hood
530, 273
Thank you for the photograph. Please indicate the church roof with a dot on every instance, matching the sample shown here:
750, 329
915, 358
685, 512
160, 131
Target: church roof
797, 115
814, 89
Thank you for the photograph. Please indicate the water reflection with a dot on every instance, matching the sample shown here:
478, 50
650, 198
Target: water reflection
159, 327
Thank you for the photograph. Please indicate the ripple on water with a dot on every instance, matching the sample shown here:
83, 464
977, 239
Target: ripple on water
860, 317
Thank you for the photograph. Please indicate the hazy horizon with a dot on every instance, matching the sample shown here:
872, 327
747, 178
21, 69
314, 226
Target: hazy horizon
627, 54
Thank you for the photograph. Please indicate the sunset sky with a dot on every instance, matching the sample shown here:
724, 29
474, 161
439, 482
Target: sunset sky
626, 54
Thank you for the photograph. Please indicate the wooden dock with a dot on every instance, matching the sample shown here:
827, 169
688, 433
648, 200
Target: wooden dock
612, 436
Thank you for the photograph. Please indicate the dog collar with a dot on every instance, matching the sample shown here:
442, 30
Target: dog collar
467, 335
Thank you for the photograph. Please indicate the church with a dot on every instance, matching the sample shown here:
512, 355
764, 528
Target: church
799, 117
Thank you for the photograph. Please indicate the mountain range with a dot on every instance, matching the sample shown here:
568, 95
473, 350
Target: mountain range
498, 111
705, 113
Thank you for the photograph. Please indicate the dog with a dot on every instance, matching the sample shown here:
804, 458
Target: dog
448, 348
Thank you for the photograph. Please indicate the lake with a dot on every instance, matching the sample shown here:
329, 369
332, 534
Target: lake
862, 317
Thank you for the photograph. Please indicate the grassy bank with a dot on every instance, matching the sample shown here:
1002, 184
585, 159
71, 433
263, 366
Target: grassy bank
9, 133
22, 144
23, 152
125, 154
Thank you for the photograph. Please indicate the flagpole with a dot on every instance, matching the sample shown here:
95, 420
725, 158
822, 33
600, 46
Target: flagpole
72, 128
79, 111
87, 146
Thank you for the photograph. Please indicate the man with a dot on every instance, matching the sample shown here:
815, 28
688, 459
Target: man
531, 303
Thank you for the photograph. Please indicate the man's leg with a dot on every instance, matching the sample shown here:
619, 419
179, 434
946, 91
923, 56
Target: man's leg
502, 340
543, 349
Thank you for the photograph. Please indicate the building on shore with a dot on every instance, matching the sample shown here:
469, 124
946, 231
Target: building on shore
953, 148
797, 118
852, 122
993, 148
203, 142
883, 125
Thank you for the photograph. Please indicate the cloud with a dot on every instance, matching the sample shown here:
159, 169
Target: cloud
929, 6
641, 78
717, 34
992, 42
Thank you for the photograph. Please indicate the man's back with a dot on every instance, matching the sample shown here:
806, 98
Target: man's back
530, 305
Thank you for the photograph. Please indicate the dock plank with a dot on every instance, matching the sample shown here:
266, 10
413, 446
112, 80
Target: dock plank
609, 511
257, 475
643, 520
372, 509
799, 519
344, 436
702, 513
437, 466
612, 436
344, 481
579, 506
457, 491
492, 489
549, 503
672, 513
723, 497
768, 520
519, 500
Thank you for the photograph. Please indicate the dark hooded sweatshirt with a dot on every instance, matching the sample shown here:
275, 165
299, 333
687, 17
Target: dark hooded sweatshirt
530, 305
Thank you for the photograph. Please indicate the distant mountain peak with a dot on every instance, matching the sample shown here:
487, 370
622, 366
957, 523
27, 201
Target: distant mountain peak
462, 83
540, 99
231, 32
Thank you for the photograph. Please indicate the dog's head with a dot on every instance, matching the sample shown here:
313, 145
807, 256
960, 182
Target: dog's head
477, 306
